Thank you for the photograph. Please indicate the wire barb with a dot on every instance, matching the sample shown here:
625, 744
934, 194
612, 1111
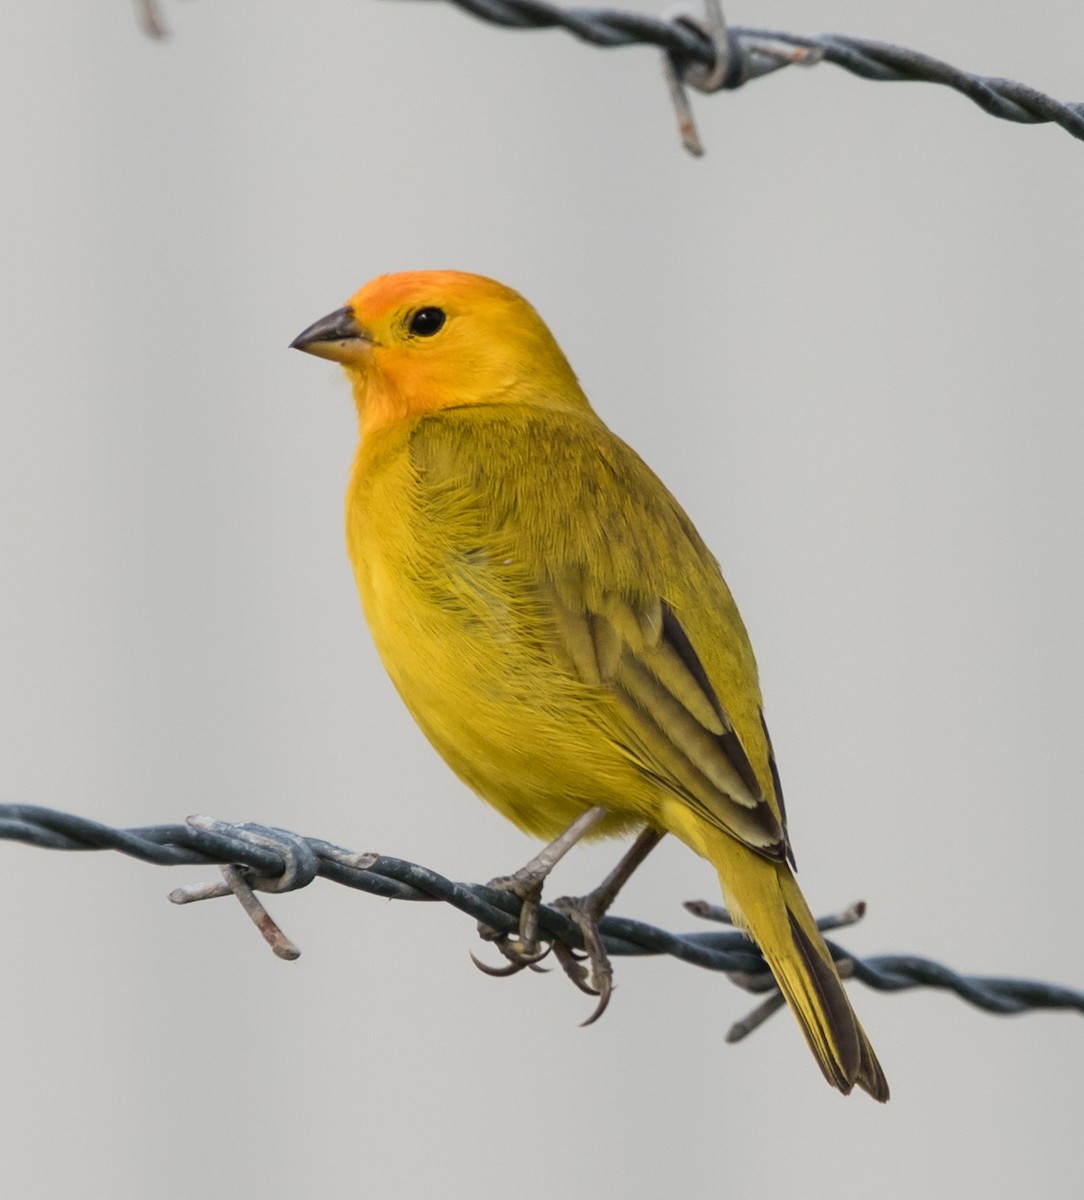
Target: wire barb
150, 19
704, 78
690, 47
261, 918
262, 858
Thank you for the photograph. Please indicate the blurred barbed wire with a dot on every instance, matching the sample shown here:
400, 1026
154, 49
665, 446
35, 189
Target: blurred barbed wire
710, 56
706, 54
261, 858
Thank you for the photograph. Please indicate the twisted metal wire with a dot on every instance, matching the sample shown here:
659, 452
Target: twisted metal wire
755, 52
268, 859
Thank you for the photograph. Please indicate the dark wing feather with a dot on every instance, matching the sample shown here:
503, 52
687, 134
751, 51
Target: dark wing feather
641, 653
777, 786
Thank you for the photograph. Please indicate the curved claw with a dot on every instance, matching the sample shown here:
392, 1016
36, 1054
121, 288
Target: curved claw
595, 979
522, 957
498, 972
601, 971
579, 974
603, 1001
517, 960
571, 962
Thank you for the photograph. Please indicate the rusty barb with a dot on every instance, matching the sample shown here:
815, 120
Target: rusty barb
258, 858
301, 865
734, 63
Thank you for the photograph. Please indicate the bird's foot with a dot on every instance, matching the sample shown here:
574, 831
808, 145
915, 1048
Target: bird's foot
590, 971
596, 977
522, 948
585, 912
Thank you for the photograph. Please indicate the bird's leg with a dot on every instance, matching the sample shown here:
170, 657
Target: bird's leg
526, 884
585, 912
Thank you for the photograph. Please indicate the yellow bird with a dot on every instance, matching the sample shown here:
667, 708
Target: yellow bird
557, 627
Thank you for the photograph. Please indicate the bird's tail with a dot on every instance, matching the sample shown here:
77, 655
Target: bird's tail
764, 899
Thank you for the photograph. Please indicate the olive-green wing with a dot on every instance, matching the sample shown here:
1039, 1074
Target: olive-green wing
642, 654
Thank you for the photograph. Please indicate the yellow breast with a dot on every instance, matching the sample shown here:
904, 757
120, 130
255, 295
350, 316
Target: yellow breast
449, 608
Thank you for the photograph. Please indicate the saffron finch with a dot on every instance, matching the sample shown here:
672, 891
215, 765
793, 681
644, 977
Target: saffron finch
555, 624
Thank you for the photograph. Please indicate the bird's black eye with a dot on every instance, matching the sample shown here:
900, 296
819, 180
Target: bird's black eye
427, 321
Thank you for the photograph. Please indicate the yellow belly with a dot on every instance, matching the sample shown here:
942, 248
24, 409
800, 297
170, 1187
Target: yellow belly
454, 626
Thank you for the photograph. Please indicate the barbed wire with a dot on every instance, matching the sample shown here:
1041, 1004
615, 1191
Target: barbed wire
261, 858
710, 56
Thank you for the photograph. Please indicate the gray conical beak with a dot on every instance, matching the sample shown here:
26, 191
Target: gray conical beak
337, 336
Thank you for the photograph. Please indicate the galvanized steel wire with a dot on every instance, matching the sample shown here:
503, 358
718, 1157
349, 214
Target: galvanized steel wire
751, 53
274, 860
710, 56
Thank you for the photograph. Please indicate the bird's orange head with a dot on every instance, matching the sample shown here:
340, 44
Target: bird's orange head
426, 340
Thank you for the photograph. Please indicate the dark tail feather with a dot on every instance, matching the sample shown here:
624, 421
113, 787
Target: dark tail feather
848, 1058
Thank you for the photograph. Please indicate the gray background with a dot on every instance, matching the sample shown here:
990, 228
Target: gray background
848, 339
